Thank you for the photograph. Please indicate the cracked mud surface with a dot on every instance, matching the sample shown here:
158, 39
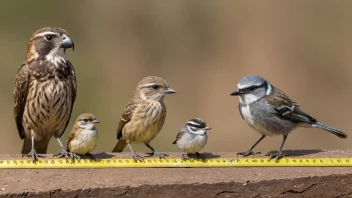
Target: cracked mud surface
181, 182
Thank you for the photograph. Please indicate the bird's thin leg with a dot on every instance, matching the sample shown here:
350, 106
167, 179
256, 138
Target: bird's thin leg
199, 156
250, 151
156, 153
33, 154
63, 150
184, 156
279, 154
134, 155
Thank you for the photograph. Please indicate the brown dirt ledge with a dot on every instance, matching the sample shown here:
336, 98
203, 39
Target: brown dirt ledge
182, 182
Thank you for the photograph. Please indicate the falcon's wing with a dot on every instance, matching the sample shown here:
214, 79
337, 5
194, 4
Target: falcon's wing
20, 96
72, 77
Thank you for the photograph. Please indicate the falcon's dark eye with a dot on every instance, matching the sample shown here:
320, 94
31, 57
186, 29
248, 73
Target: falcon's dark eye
85, 120
155, 86
48, 37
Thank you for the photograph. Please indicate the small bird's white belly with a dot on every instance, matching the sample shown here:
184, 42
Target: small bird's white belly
84, 143
193, 146
247, 115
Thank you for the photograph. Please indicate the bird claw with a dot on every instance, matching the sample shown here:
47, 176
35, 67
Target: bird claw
63, 153
277, 156
184, 157
137, 157
248, 153
34, 155
199, 156
160, 155
74, 157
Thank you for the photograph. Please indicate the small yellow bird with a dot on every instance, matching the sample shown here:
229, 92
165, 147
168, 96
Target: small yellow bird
83, 136
144, 116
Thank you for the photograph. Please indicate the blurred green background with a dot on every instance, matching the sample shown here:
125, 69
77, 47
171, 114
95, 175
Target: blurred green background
202, 48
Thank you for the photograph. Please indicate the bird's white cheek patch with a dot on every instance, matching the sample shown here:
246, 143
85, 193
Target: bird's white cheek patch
248, 98
269, 90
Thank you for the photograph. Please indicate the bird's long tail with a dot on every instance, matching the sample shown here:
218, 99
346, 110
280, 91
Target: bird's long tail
120, 145
40, 146
332, 130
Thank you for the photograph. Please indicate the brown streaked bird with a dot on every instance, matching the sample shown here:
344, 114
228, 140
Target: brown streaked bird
45, 91
83, 136
144, 116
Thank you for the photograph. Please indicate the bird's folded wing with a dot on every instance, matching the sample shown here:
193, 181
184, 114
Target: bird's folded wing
20, 95
73, 133
287, 108
178, 136
126, 116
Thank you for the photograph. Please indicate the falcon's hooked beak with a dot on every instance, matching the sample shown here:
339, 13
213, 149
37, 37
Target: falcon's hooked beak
67, 42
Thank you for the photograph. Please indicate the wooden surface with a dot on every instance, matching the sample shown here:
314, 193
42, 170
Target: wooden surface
181, 182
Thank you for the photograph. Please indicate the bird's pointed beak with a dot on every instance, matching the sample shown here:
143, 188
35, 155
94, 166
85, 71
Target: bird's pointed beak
169, 91
235, 93
67, 42
207, 128
96, 121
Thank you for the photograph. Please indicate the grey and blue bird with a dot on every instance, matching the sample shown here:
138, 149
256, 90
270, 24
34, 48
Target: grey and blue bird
269, 111
192, 138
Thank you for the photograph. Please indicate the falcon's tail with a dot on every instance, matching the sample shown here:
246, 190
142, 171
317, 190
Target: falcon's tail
332, 130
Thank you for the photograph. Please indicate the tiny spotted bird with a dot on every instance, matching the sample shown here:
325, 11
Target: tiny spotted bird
83, 136
45, 91
144, 116
192, 138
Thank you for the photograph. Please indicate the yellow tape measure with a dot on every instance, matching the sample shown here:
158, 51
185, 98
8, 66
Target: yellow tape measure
177, 163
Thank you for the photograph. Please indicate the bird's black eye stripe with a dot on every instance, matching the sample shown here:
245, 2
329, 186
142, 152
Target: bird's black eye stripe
85, 120
251, 88
155, 86
193, 125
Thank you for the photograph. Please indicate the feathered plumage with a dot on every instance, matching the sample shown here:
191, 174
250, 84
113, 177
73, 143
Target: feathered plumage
144, 116
45, 90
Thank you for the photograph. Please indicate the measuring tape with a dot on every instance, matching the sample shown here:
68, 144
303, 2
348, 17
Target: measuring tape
177, 163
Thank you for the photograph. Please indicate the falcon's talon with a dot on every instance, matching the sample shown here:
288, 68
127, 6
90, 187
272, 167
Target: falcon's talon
34, 155
63, 153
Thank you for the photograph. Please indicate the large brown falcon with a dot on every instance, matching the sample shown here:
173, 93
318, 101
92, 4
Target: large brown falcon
45, 91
